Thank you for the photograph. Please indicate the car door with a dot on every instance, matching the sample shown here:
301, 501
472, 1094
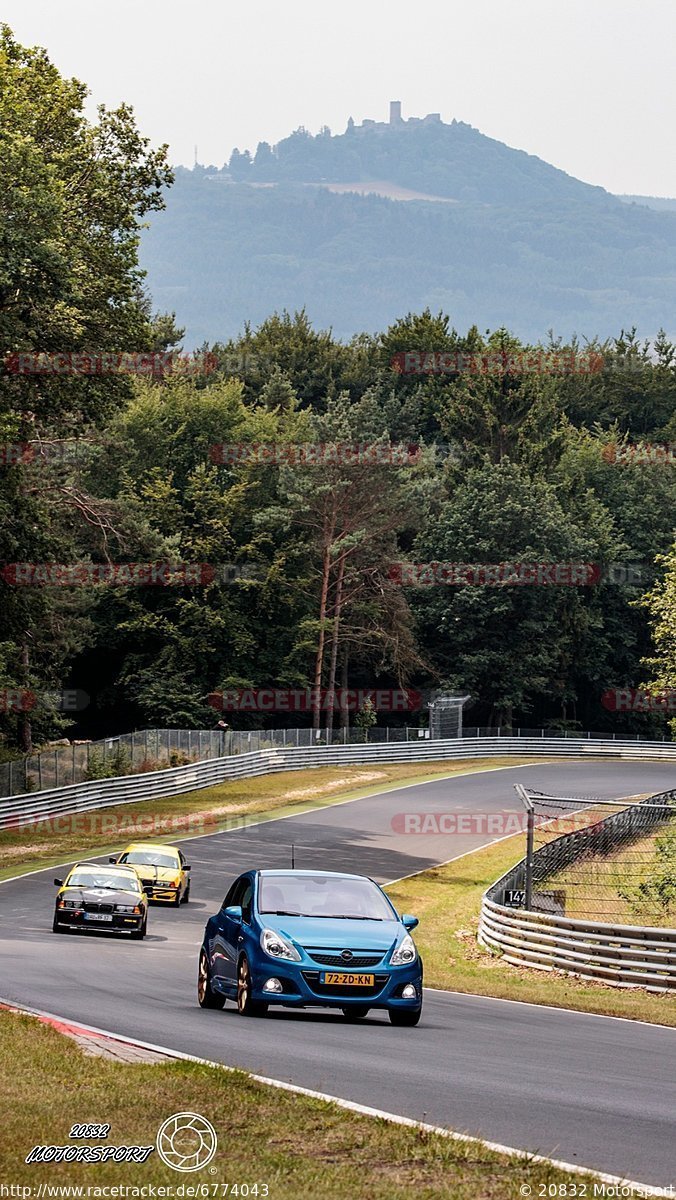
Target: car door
184, 874
232, 931
228, 939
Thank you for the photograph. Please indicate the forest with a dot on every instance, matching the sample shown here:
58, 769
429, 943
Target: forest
427, 507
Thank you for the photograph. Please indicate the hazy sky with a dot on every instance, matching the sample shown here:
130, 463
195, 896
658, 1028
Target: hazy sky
588, 85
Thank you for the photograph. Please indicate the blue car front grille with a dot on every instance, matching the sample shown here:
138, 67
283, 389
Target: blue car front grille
355, 963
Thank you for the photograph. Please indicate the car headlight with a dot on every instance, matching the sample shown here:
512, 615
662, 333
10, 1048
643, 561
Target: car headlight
69, 904
126, 908
404, 953
277, 946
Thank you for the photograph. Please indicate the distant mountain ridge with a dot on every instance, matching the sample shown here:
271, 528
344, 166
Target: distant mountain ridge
517, 242
451, 160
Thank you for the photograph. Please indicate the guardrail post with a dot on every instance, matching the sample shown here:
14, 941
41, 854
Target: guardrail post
530, 840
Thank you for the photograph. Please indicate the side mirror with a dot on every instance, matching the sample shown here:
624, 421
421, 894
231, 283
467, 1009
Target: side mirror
58, 883
112, 860
234, 911
186, 866
409, 922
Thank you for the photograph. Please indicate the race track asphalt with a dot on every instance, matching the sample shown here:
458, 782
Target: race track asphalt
588, 1090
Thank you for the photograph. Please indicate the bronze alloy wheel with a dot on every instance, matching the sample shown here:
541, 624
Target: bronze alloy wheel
205, 996
245, 1004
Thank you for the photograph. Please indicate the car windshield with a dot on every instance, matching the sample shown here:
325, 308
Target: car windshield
150, 858
323, 896
119, 880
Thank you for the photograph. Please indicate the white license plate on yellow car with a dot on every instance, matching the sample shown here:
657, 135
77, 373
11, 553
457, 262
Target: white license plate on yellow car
345, 979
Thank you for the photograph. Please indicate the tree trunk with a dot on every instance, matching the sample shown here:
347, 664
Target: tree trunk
319, 660
344, 710
331, 694
24, 727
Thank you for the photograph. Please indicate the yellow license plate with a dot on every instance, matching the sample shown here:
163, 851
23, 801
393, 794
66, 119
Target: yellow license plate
344, 980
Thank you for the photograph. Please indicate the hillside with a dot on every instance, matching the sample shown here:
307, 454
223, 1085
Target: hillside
503, 238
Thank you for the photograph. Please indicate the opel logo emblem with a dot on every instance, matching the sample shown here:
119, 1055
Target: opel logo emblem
346, 955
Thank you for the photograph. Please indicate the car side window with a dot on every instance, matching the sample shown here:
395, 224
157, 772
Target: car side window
233, 896
246, 900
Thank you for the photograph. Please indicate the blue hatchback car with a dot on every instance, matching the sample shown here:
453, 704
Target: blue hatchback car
310, 939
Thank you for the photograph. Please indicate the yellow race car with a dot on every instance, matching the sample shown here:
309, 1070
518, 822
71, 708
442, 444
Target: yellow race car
163, 871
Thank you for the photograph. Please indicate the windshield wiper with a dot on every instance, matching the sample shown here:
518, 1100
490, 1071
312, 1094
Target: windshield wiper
279, 912
341, 917
355, 917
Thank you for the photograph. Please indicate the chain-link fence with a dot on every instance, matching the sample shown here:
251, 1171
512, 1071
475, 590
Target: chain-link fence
612, 861
153, 749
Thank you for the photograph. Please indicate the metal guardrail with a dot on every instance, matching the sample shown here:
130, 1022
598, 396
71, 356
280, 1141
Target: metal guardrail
152, 749
129, 789
622, 955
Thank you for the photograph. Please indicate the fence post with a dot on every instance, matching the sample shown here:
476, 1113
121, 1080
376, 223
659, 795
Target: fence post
530, 839
73, 770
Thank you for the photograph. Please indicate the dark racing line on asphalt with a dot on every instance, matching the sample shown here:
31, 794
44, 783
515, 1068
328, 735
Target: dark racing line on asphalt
591, 1090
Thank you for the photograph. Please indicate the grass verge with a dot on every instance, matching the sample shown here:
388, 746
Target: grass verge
447, 899
297, 1146
286, 793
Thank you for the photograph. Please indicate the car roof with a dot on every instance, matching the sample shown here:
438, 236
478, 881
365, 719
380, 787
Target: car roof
313, 874
94, 866
149, 846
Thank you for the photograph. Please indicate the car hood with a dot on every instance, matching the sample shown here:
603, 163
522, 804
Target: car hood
101, 895
336, 934
158, 874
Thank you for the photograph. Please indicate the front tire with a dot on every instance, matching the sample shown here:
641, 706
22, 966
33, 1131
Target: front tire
139, 934
186, 895
205, 996
245, 1004
405, 1016
56, 928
